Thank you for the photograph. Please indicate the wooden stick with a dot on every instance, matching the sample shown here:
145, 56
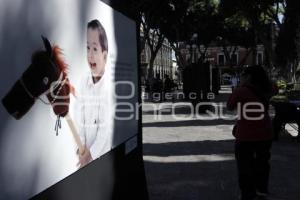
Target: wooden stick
75, 134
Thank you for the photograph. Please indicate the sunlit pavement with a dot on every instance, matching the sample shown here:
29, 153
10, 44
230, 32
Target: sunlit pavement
187, 157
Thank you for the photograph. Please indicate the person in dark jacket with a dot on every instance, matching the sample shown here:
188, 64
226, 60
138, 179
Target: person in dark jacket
253, 132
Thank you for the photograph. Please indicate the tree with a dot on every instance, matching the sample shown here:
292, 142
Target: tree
154, 39
276, 25
149, 15
288, 47
259, 16
231, 23
234, 32
187, 19
176, 27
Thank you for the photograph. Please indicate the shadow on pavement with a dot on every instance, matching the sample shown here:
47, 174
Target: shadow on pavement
177, 171
192, 181
206, 170
184, 123
185, 108
189, 148
189, 180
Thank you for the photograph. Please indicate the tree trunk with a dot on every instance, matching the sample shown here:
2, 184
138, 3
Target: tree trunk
254, 49
150, 68
244, 59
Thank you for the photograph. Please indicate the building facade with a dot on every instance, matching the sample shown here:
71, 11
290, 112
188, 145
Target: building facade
241, 57
163, 63
217, 58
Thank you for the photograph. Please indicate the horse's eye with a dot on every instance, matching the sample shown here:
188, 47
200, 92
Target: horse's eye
45, 80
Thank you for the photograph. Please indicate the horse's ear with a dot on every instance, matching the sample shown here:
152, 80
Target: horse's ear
47, 46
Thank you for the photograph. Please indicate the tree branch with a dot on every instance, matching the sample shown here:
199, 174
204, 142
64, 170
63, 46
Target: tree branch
243, 60
274, 15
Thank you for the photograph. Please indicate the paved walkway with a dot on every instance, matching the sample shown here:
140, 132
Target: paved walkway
190, 158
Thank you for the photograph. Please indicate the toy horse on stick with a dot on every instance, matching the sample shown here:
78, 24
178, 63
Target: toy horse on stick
47, 74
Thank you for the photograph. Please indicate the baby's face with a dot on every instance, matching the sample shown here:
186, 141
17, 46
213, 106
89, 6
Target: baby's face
96, 57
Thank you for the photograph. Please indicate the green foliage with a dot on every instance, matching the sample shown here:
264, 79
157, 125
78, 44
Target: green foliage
281, 84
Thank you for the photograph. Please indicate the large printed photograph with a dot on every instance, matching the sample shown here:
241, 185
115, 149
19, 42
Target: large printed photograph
68, 90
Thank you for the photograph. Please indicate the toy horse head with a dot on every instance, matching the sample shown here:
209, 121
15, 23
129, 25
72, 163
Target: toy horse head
47, 74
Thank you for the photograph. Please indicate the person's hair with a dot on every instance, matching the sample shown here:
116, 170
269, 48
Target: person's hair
95, 24
258, 78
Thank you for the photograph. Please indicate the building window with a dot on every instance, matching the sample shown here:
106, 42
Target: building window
221, 59
234, 58
259, 58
